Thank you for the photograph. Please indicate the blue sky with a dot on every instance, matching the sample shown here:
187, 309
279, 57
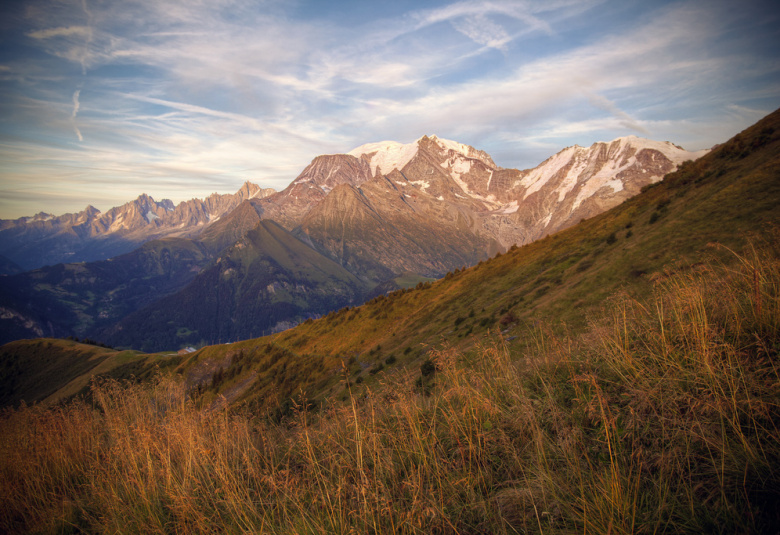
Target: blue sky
103, 100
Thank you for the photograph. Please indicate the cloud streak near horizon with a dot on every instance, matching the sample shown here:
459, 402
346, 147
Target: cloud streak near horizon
100, 102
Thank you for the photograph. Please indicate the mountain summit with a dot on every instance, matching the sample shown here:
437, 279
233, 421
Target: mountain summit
434, 204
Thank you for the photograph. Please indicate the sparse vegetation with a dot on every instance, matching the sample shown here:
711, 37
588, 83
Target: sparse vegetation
663, 416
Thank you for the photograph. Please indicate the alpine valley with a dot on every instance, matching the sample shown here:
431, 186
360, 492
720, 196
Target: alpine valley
153, 276
606, 362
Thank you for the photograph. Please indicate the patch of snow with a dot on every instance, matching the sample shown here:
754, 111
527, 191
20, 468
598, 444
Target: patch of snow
510, 208
616, 185
118, 224
461, 165
151, 216
440, 198
538, 177
386, 155
676, 154
423, 184
465, 150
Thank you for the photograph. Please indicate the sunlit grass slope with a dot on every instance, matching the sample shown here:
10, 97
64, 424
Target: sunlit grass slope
660, 417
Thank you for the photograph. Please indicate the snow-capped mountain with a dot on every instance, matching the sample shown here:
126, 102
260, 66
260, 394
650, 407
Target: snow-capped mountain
435, 204
569, 178
44, 239
348, 225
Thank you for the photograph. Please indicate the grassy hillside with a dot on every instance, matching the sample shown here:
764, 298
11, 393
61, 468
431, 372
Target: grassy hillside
663, 416
50, 370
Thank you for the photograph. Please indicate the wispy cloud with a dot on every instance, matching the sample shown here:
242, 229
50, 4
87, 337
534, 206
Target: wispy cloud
180, 98
67, 31
75, 111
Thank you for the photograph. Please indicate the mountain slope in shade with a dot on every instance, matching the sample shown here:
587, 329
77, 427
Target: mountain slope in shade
89, 235
9, 267
267, 281
79, 299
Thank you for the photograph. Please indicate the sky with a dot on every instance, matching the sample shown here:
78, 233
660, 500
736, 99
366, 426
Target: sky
102, 100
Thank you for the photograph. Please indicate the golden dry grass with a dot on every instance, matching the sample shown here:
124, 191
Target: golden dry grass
662, 418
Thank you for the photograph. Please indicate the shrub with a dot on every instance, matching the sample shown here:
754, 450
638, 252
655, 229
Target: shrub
427, 368
507, 319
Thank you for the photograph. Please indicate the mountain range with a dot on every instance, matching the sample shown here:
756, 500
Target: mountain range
233, 266
433, 205
45, 239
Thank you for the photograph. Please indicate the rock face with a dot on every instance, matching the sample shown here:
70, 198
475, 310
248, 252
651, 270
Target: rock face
433, 205
323, 174
44, 239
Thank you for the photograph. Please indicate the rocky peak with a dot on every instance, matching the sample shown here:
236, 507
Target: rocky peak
330, 170
90, 211
454, 150
248, 190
